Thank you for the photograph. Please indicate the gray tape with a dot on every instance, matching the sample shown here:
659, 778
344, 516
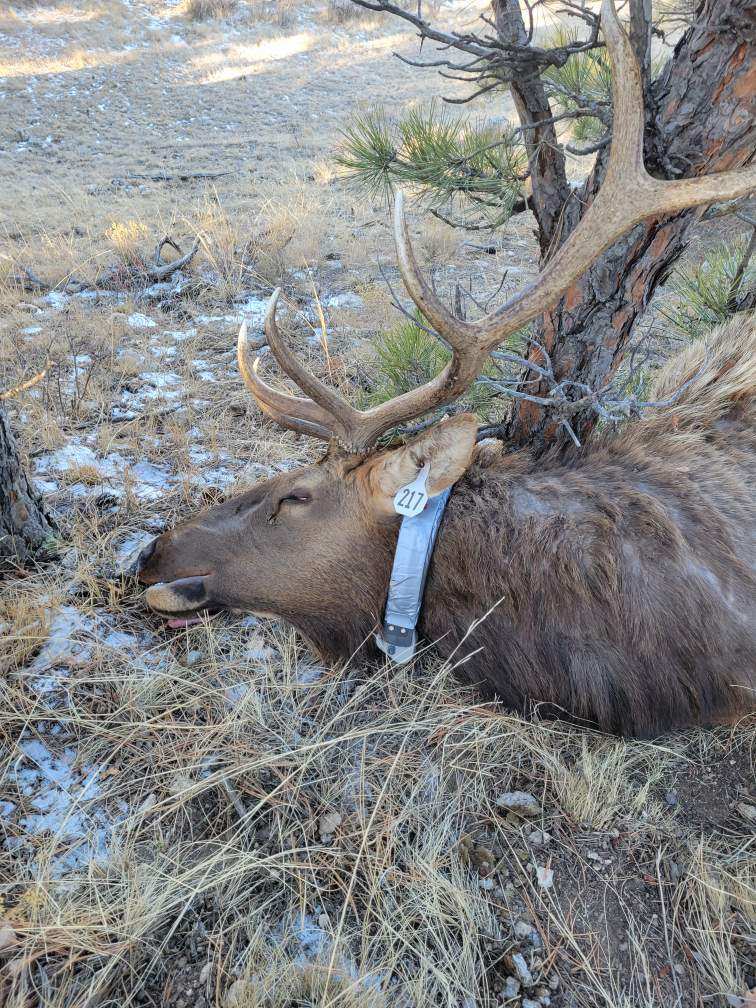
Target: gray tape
414, 549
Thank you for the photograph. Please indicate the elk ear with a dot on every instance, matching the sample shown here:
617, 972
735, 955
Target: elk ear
447, 447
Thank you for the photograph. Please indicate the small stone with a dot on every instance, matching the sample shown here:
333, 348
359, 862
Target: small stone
238, 994
519, 802
521, 969
511, 987
522, 929
530, 1003
205, 973
149, 802
747, 811
486, 883
539, 838
554, 982
324, 921
329, 822
671, 798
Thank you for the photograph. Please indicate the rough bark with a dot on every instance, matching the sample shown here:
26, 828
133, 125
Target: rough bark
703, 121
548, 177
24, 525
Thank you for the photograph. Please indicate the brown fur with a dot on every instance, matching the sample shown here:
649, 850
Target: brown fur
617, 586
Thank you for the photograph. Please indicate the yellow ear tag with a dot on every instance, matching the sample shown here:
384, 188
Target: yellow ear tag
410, 500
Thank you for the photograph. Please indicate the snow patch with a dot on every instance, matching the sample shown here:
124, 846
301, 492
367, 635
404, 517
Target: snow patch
138, 321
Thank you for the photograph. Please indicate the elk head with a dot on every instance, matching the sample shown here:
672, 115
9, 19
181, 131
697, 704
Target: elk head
315, 545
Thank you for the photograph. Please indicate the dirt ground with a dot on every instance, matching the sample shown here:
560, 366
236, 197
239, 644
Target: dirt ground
207, 816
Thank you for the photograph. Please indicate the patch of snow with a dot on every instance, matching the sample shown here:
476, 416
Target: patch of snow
61, 798
308, 675
179, 334
128, 551
66, 624
72, 456
164, 351
138, 321
346, 300
57, 300
45, 486
253, 309
236, 693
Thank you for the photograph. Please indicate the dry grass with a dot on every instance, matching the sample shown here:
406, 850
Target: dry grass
218, 765
204, 10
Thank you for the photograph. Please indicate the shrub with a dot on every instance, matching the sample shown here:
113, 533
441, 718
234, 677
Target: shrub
206, 10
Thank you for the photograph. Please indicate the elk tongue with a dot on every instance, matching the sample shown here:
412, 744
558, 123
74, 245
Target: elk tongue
178, 623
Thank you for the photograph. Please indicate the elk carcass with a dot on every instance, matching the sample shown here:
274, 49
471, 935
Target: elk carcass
615, 585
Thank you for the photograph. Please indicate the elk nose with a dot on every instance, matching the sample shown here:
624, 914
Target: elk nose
145, 555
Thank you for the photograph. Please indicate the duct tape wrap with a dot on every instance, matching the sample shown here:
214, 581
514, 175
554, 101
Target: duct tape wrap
414, 549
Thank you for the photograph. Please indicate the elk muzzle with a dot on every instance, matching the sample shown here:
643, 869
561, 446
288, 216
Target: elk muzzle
177, 598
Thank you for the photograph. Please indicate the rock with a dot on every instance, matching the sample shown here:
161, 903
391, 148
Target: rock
511, 987
149, 802
240, 993
530, 1003
539, 838
522, 929
521, 969
328, 823
204, 975
747, 811
486, 883
671, 798
7, 937
519, 802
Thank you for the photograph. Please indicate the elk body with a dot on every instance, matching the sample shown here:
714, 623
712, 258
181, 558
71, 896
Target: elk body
617, 586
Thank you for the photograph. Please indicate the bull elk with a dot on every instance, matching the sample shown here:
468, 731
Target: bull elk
616, 585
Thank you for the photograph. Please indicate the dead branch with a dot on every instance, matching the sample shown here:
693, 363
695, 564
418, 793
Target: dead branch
159, 271
24, 386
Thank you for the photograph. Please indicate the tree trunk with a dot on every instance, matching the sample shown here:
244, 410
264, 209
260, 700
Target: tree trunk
23, 523
548, 177
703, 121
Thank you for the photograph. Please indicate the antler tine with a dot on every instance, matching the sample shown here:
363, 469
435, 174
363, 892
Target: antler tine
459, 334
292, 412
333, 404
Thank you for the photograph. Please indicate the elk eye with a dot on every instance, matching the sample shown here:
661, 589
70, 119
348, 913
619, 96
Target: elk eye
298, 497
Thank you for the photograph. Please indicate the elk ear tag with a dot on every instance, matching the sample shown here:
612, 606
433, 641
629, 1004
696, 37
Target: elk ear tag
400, 481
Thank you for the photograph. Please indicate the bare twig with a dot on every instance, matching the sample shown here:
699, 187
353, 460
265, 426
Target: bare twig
24, 386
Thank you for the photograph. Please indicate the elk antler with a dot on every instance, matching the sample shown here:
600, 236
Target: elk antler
628, 195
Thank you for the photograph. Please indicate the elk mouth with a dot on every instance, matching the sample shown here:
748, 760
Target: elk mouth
182, 602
